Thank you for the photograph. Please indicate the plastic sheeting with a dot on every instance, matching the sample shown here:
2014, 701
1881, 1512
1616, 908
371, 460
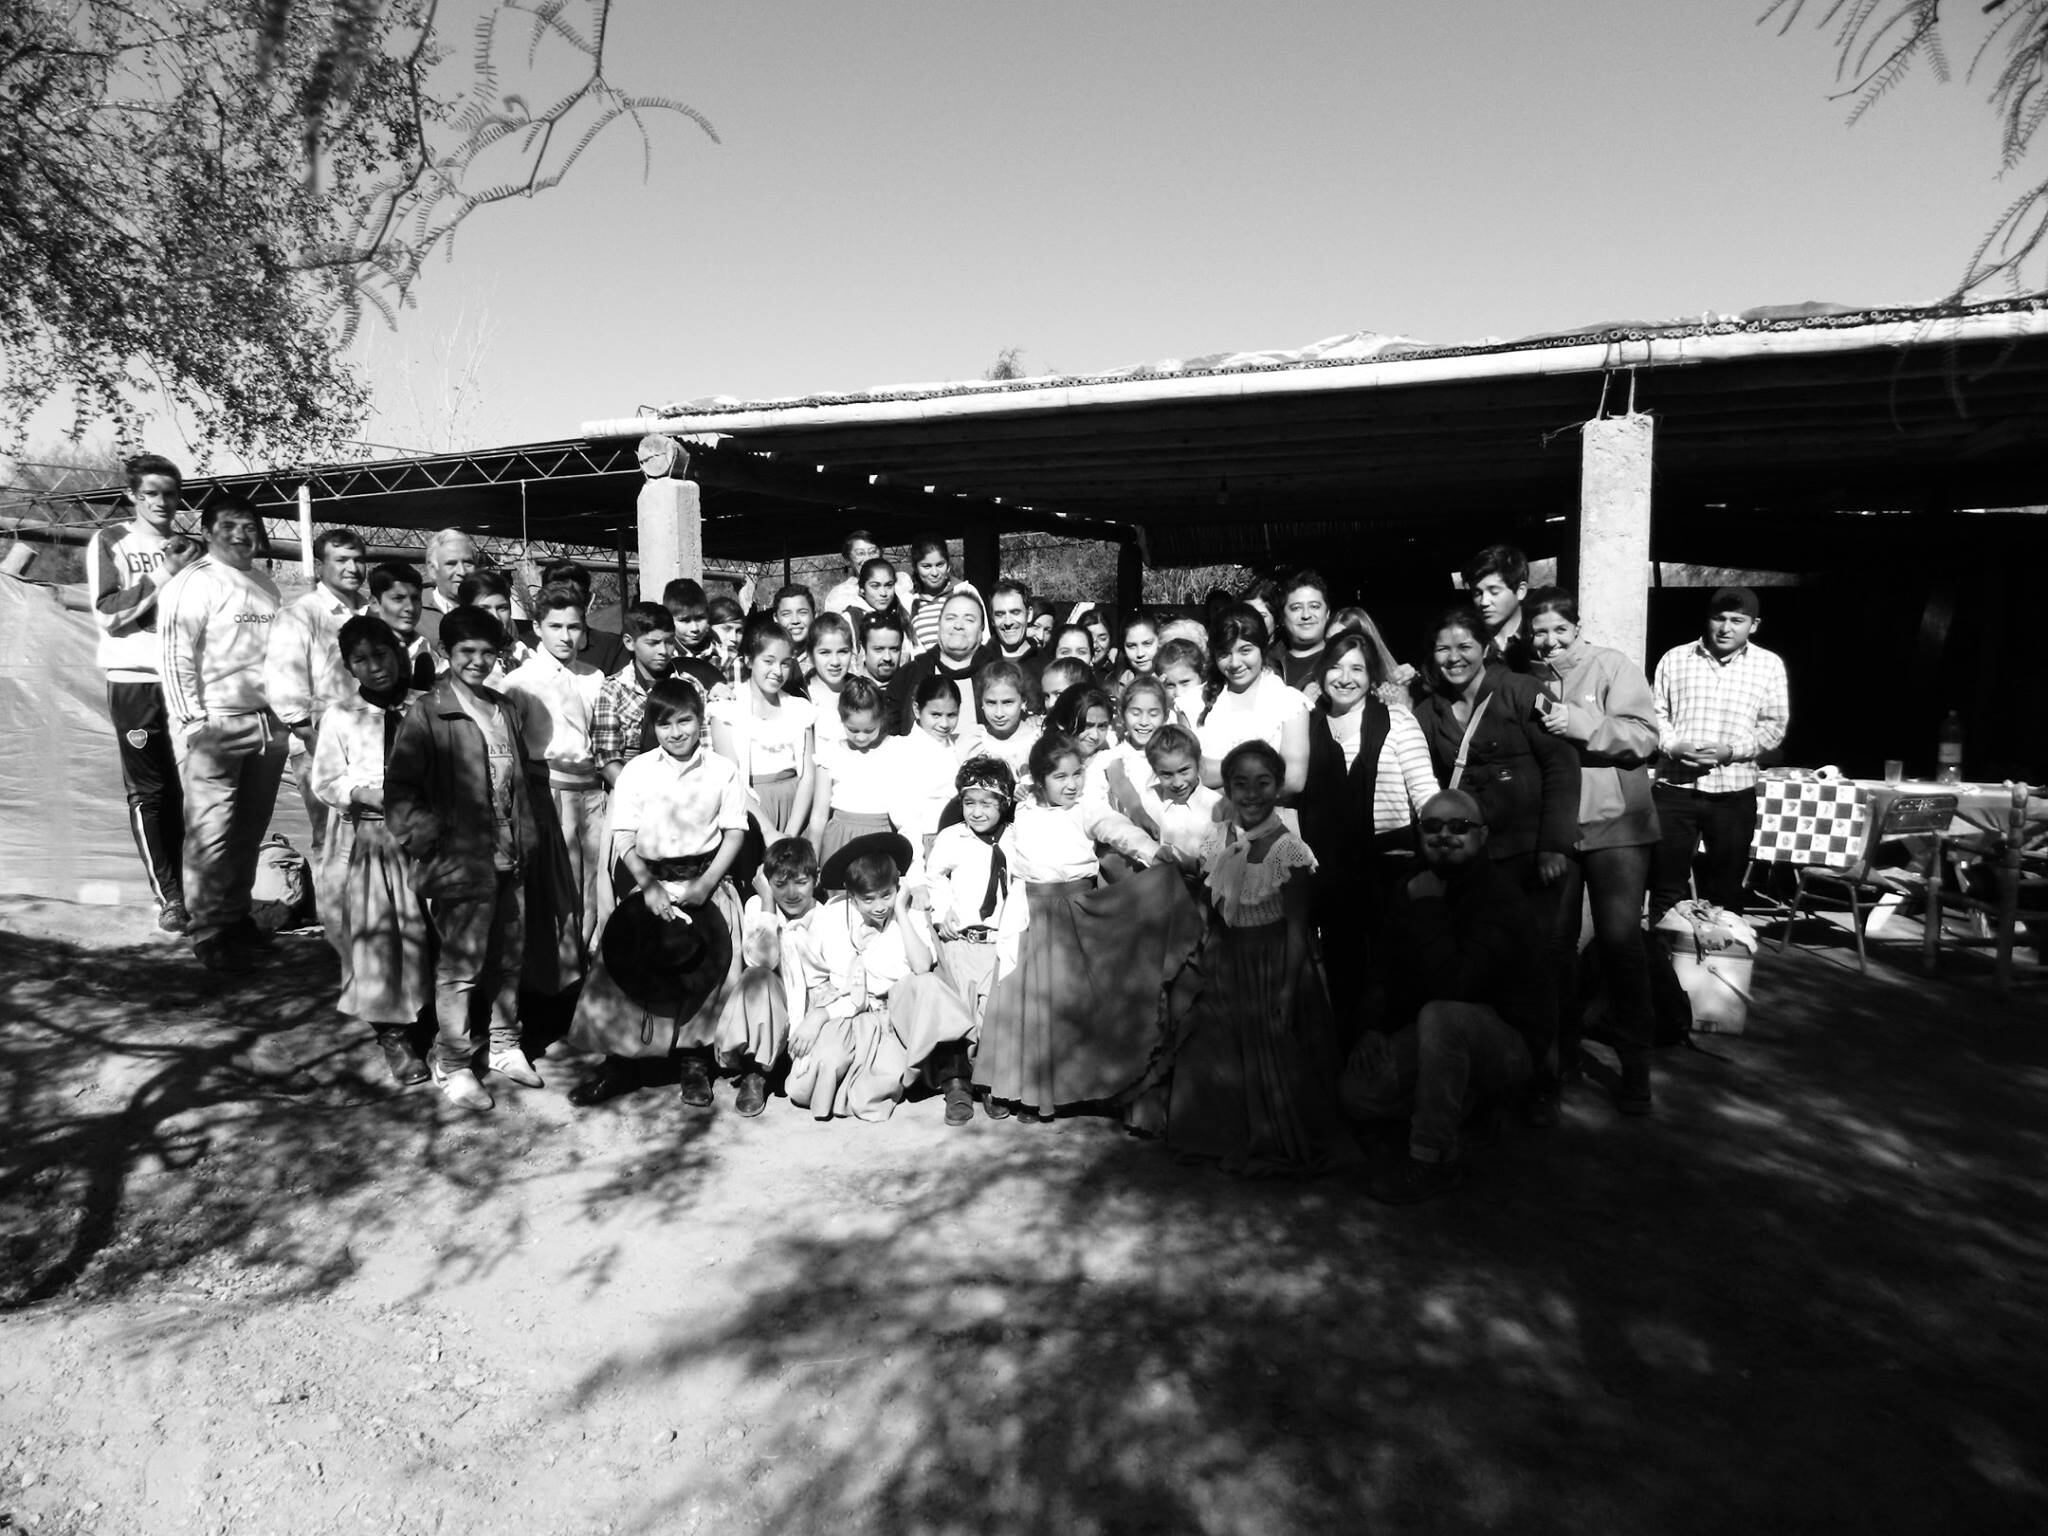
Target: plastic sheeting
63, 811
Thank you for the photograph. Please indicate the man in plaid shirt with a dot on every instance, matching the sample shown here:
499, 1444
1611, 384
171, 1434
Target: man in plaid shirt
650, 636
1721, 704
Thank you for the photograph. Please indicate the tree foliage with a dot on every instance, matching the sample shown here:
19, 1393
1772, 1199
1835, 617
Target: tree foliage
1879, 42
200, 200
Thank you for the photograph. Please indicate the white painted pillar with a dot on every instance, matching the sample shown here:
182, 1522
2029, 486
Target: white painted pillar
1614, 532
671, 534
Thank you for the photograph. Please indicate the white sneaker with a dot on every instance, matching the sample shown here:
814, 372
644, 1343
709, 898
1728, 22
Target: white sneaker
461, 1088
512, 1063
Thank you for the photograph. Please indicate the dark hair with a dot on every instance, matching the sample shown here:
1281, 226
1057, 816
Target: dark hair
557, 595
345, 538
918, 549
367, 629
827, 624
1264, 751
1072, 627
477, 583
870, 874
141, 464
386, 574
1070, 667
469, 622
1012, 584
761, 634
977, 771
1267, 591
1069, 713
644, 619
1457, 616
1502, 560
723, 610
1047, 751
860, 695
1000, 671
1173, 741
794, 589
1342, 644
210, 513
1307, 576
567, 570
790, 858
669, 699
1555, 600
858, 536
1138, 616
683, 593
879, 563
1238, 621
932, 685
890, 617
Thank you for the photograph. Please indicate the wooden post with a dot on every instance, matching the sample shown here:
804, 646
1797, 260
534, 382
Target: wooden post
1130, 581
982, 554
625, 592
1614, 531
671, 533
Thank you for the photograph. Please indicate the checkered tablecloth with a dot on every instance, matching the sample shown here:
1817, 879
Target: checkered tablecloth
1803, 820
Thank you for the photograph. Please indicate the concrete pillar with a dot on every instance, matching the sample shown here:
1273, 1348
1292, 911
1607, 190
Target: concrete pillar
981, 549
671, 534
1614, 532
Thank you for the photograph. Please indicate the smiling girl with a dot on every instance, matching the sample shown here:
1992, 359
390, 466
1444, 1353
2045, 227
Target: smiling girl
769, 736
1078, 1019
1253, 704
831, 648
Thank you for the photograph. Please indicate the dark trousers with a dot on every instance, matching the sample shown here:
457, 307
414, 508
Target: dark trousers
1546, 905
1615, 879
149, 769
1714, 827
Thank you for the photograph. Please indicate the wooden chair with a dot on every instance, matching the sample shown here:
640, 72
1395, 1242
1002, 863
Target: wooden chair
1861, 884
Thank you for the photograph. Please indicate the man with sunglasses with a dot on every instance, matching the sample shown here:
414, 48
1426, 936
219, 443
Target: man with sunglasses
1471, 1006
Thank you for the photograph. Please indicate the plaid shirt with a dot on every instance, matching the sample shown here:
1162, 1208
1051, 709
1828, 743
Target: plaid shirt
1743, 701
615, 723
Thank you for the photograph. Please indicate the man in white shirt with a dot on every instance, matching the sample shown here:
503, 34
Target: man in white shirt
555, 693
126, 566
214, 630
302, 670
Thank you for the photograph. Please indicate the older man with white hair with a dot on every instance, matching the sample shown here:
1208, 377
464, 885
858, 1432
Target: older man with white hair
451, 555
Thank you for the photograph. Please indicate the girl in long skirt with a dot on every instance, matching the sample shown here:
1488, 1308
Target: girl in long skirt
1082, 1016
1255, 1073
968, 876
860, 776
768, 734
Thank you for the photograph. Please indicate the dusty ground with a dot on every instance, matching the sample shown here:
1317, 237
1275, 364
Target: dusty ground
245, 1287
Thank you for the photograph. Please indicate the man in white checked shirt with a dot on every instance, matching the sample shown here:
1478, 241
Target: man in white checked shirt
1722, 703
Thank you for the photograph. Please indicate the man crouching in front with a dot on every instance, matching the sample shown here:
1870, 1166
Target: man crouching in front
1470, 1003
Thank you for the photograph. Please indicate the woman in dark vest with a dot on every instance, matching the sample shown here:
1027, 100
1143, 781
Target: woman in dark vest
1368, 774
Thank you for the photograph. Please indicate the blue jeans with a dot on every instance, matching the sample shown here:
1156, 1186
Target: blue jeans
230, 767
1434, 1071
483, 945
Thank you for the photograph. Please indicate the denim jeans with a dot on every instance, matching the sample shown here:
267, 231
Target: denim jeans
1435, 1071
483, 943
230, 768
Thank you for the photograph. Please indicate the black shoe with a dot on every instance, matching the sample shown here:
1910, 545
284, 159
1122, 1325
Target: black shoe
696, 1079
172, 917
1632, 1095
406, 1067
959, 1101
752, 1096
995, 1109
613, 1077
1414, 1181
218, 954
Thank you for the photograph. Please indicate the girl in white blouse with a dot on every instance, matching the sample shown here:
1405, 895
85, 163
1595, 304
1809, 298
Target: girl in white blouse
1253, 703
930, 759
861, 776
769, 736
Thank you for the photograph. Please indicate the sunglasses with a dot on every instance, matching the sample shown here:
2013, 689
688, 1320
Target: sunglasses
1457, 826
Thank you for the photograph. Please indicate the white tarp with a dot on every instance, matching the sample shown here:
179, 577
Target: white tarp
63, 812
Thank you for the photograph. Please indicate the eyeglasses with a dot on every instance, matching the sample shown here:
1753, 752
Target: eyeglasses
1457, 826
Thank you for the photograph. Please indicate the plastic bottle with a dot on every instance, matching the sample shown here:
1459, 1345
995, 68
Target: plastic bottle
1948, 755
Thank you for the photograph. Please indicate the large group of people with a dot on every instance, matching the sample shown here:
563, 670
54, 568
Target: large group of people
1241, 880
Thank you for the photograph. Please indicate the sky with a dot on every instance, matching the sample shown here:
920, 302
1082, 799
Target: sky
907, 187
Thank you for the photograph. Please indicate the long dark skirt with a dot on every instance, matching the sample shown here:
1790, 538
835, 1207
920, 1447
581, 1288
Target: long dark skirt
1255, 1093
1085, 1013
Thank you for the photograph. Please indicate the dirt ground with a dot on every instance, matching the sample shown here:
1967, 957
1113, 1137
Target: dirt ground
247, 1287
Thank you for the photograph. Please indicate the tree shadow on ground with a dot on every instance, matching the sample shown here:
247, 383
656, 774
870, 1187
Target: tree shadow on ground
1805, 1298
235, 1135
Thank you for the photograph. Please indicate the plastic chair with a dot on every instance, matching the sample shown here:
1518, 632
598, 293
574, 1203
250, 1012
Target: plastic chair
1861, 884
2004, 890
